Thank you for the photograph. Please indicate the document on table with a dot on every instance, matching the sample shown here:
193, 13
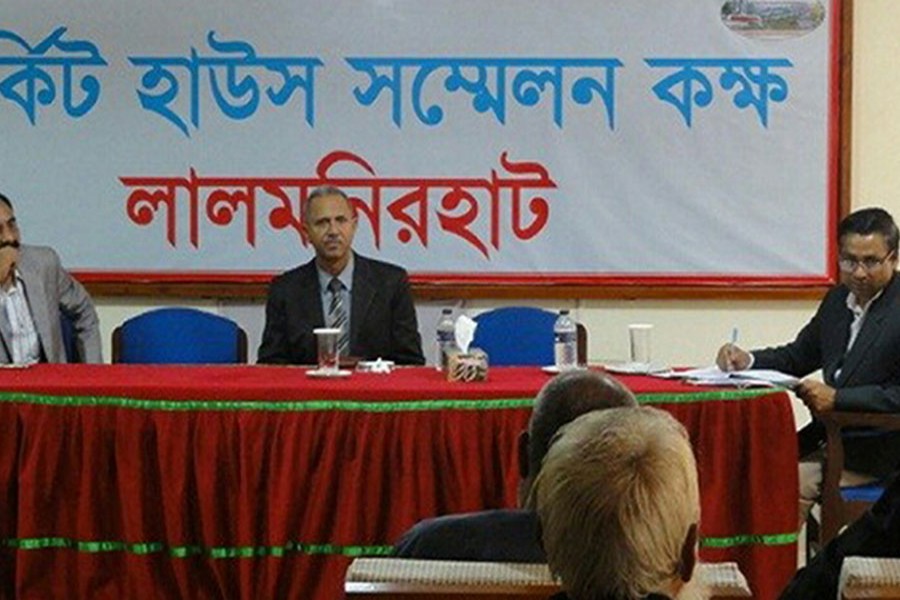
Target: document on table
747, 378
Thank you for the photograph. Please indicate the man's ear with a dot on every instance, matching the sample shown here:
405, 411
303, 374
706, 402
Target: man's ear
524, 439
688, 554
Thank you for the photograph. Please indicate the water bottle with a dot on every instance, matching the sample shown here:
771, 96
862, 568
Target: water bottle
445, 339
565, 342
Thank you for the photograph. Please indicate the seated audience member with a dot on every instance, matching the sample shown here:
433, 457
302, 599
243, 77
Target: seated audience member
34, 291
854, 339
877, 533
508, 535
369, 300
619, 506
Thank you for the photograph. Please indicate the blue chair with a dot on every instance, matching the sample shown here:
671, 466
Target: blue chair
520, 335
69, 339
179, 336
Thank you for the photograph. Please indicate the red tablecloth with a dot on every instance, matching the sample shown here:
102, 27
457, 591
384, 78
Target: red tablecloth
259, 482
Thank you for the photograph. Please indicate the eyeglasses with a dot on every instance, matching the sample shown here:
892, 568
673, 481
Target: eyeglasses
848, 265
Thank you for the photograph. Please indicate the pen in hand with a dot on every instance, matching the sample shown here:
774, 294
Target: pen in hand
730, 348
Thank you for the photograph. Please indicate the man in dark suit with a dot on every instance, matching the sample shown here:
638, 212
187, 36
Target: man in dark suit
511, 535
34, 291
854, 338
368, 299
877, 533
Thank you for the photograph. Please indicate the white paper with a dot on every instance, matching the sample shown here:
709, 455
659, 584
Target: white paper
749, 377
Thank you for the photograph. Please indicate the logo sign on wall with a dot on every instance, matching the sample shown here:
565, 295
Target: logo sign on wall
680, 140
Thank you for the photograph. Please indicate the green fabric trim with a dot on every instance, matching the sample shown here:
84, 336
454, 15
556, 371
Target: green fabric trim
346, 405
775, 539
708, 396
217, 552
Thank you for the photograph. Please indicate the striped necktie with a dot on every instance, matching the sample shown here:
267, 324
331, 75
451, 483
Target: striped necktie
337, 314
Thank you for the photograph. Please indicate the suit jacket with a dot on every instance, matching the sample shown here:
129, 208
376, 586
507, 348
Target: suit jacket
51, 290
869, 374
492, 536
877, 533
382, 316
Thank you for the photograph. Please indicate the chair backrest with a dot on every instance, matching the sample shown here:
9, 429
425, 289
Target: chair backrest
179, 336
865, 577
521, 335
411, 579
69, 339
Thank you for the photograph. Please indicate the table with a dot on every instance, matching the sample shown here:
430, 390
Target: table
127, 481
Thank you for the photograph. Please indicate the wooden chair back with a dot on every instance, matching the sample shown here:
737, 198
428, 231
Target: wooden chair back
836, 512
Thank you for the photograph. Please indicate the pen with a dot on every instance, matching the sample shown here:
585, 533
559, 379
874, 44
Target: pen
730, 349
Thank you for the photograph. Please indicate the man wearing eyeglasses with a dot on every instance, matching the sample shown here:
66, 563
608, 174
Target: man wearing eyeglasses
854, 338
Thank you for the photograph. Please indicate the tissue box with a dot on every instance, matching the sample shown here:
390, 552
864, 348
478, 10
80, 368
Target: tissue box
469, 366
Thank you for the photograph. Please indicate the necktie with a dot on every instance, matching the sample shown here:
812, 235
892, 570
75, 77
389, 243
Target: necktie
337, 314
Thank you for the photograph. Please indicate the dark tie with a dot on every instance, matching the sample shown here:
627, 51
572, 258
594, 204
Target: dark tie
337, 314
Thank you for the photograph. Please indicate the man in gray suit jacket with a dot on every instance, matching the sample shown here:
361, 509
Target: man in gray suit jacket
369, 300
35, 291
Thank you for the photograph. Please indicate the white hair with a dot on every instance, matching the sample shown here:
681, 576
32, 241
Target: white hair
617, 496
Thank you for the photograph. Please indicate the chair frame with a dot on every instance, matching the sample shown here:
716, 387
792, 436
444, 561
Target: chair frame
836, 512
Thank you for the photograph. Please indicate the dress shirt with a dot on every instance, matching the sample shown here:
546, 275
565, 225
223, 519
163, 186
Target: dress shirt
859, 316
26, 347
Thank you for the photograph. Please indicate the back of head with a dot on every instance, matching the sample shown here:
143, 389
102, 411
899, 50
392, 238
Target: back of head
868, 221
565, 398
618, 502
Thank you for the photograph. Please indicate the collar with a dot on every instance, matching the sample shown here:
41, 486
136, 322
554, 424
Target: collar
345, 276
854, 306
18, 284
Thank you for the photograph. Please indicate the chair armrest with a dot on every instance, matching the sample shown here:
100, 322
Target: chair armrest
413, 579
888, 421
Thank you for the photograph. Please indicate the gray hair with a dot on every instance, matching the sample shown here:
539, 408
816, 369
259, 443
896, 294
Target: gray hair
566, 397
617, 497
320, 192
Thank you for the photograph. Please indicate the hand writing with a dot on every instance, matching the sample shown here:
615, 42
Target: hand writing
732, 358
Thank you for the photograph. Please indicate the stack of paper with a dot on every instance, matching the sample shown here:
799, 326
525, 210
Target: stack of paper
747, 378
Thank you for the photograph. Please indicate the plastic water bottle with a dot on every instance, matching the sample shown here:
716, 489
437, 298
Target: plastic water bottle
445, 339
565, 342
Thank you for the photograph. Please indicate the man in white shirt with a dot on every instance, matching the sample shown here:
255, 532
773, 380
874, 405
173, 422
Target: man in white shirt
854, 338
34, 292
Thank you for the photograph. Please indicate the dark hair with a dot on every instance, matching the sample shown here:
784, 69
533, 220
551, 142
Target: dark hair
6, 201
325, 190
565, 398
868, 221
